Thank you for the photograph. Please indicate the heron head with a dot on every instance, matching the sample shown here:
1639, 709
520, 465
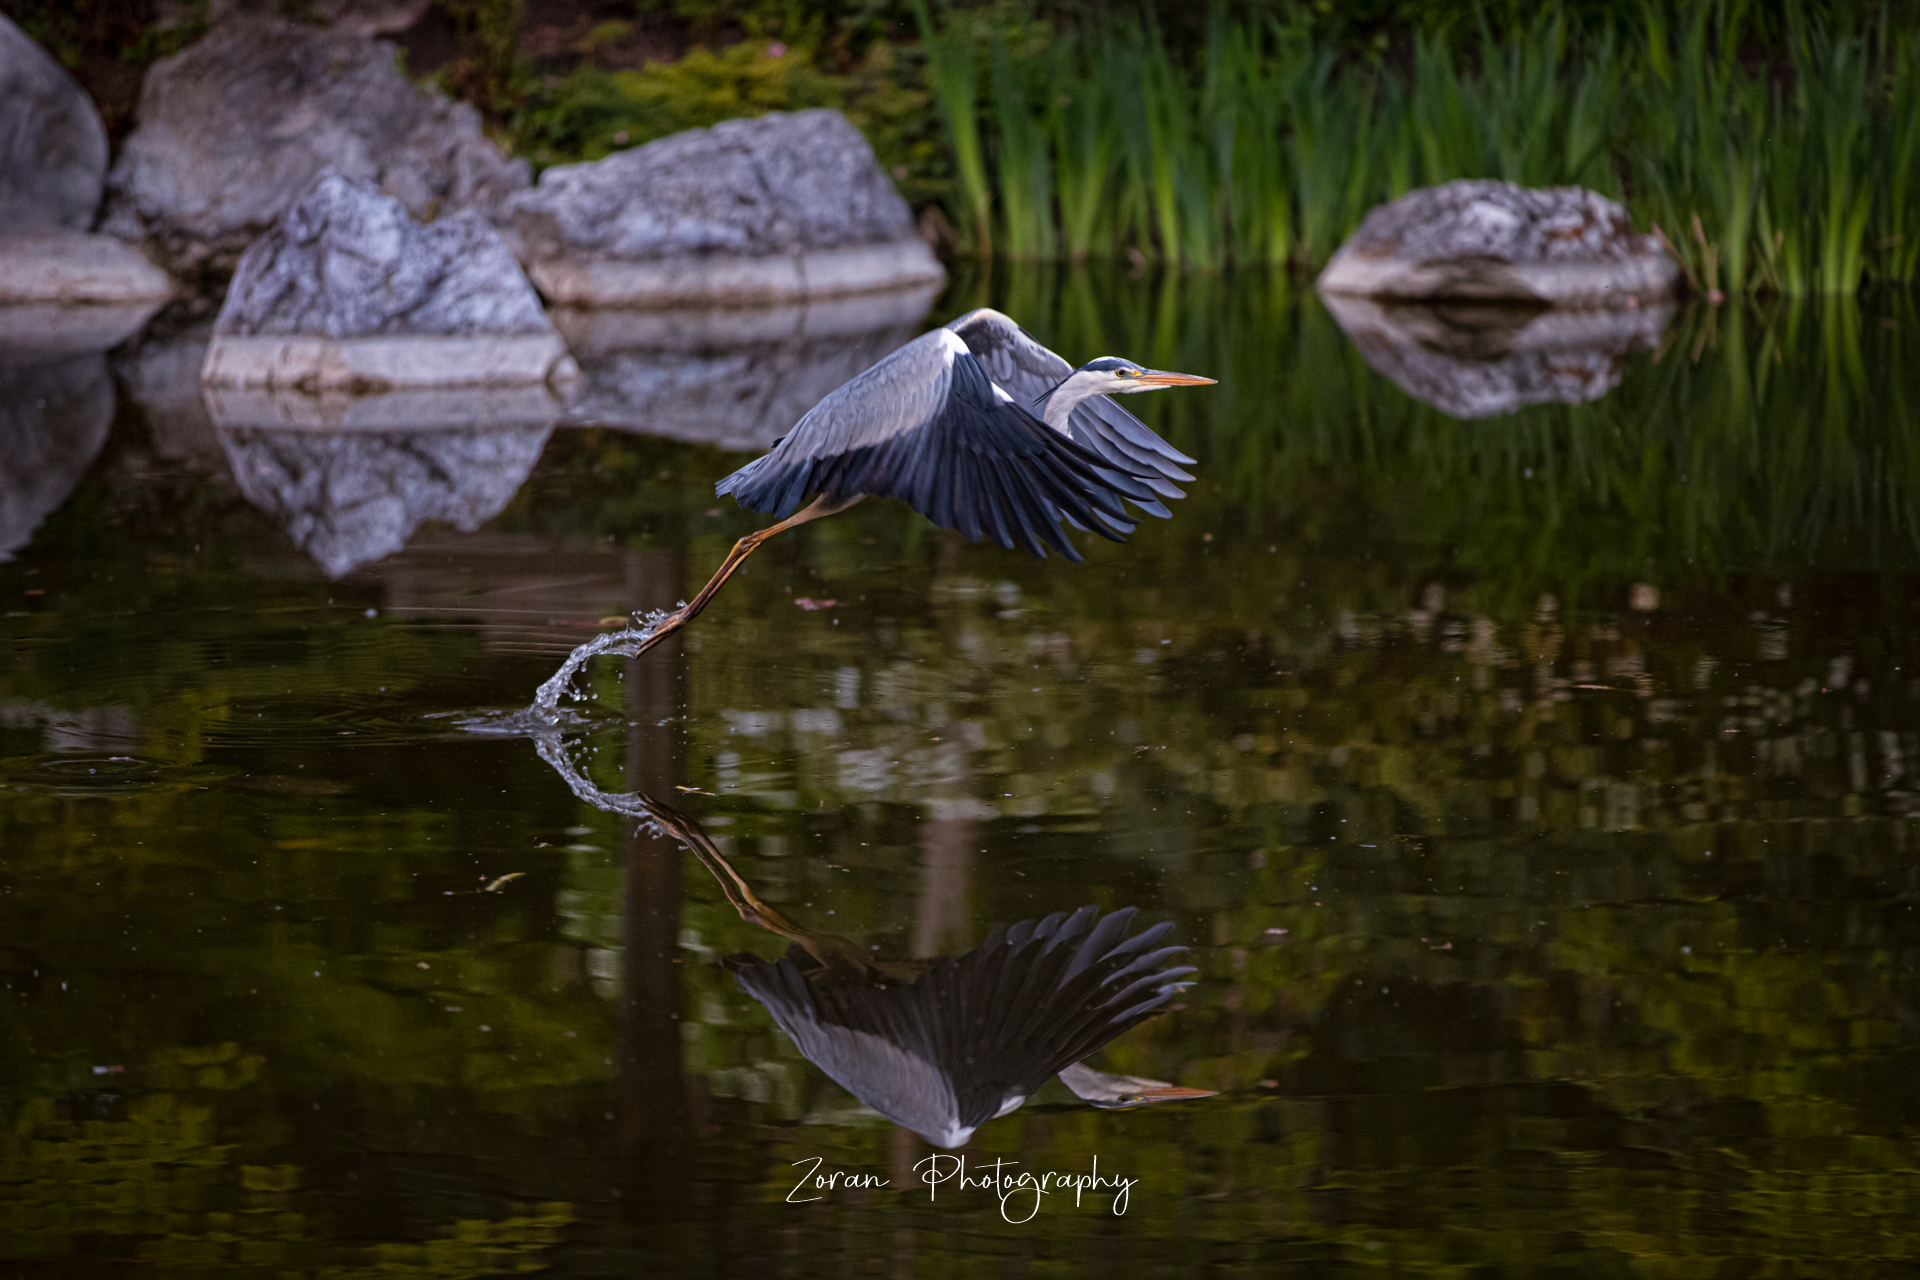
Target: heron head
1107, 376
1114, 376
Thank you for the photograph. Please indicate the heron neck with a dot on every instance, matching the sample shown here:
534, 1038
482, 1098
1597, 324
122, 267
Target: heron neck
1065, 399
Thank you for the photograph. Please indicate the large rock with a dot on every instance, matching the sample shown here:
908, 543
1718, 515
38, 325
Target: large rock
346, 290
1494, 241
236, 126
53, 148
773, 209
56, 267
736, 378
1477, 361
53, 166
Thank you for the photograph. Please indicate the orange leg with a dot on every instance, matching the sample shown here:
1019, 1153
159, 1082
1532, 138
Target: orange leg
821, 506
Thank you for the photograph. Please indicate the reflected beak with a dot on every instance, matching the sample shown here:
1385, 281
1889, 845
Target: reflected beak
1174, 1093
1145, 1092
1161, 378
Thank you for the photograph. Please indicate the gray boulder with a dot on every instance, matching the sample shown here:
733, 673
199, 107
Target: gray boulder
53, 166
52, 266
346, 290
234, 127
53, 148
1494, 241
781, 207
1479, 361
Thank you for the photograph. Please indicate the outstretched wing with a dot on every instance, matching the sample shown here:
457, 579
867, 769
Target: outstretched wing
1013, 358
927, 426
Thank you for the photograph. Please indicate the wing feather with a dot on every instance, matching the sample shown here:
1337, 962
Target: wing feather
1017, 361
1020, 524
895, 398
998, 503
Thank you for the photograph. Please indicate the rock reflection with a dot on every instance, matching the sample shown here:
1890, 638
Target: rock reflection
1480, 361
161, 375
942, 1045
738, 379
56, 403
351, 477
30, 333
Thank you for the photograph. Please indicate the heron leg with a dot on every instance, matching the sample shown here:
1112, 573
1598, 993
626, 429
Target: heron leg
823, 505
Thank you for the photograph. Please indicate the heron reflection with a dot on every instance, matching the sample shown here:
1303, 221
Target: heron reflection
943, 1045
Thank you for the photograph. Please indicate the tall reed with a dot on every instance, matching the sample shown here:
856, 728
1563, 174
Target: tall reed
951, 64
1797, 178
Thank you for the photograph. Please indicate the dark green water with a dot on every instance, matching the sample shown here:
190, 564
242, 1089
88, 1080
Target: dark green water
1537, 795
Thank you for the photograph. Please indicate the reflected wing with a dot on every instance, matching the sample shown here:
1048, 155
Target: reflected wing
970, 1037
1016, 360
883, 1071
928, 427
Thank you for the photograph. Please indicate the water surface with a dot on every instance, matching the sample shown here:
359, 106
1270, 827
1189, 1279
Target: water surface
1536, 793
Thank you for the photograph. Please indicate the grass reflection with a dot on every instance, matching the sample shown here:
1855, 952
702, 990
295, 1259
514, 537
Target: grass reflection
1752, 438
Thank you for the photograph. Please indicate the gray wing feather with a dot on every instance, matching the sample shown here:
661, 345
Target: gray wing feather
1027, 370
1012, 356
900, 394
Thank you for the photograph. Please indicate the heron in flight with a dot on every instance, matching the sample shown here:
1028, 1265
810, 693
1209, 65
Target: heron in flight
977, 427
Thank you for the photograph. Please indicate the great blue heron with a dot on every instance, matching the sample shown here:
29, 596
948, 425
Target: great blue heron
977, 427
941, 1046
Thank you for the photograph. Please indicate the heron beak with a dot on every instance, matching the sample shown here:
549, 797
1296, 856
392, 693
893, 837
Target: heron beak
1161, 378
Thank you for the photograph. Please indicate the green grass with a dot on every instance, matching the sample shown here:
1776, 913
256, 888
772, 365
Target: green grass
1796, 176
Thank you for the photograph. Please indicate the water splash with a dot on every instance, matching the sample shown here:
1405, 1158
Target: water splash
546, 699
546, 717
520, 722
